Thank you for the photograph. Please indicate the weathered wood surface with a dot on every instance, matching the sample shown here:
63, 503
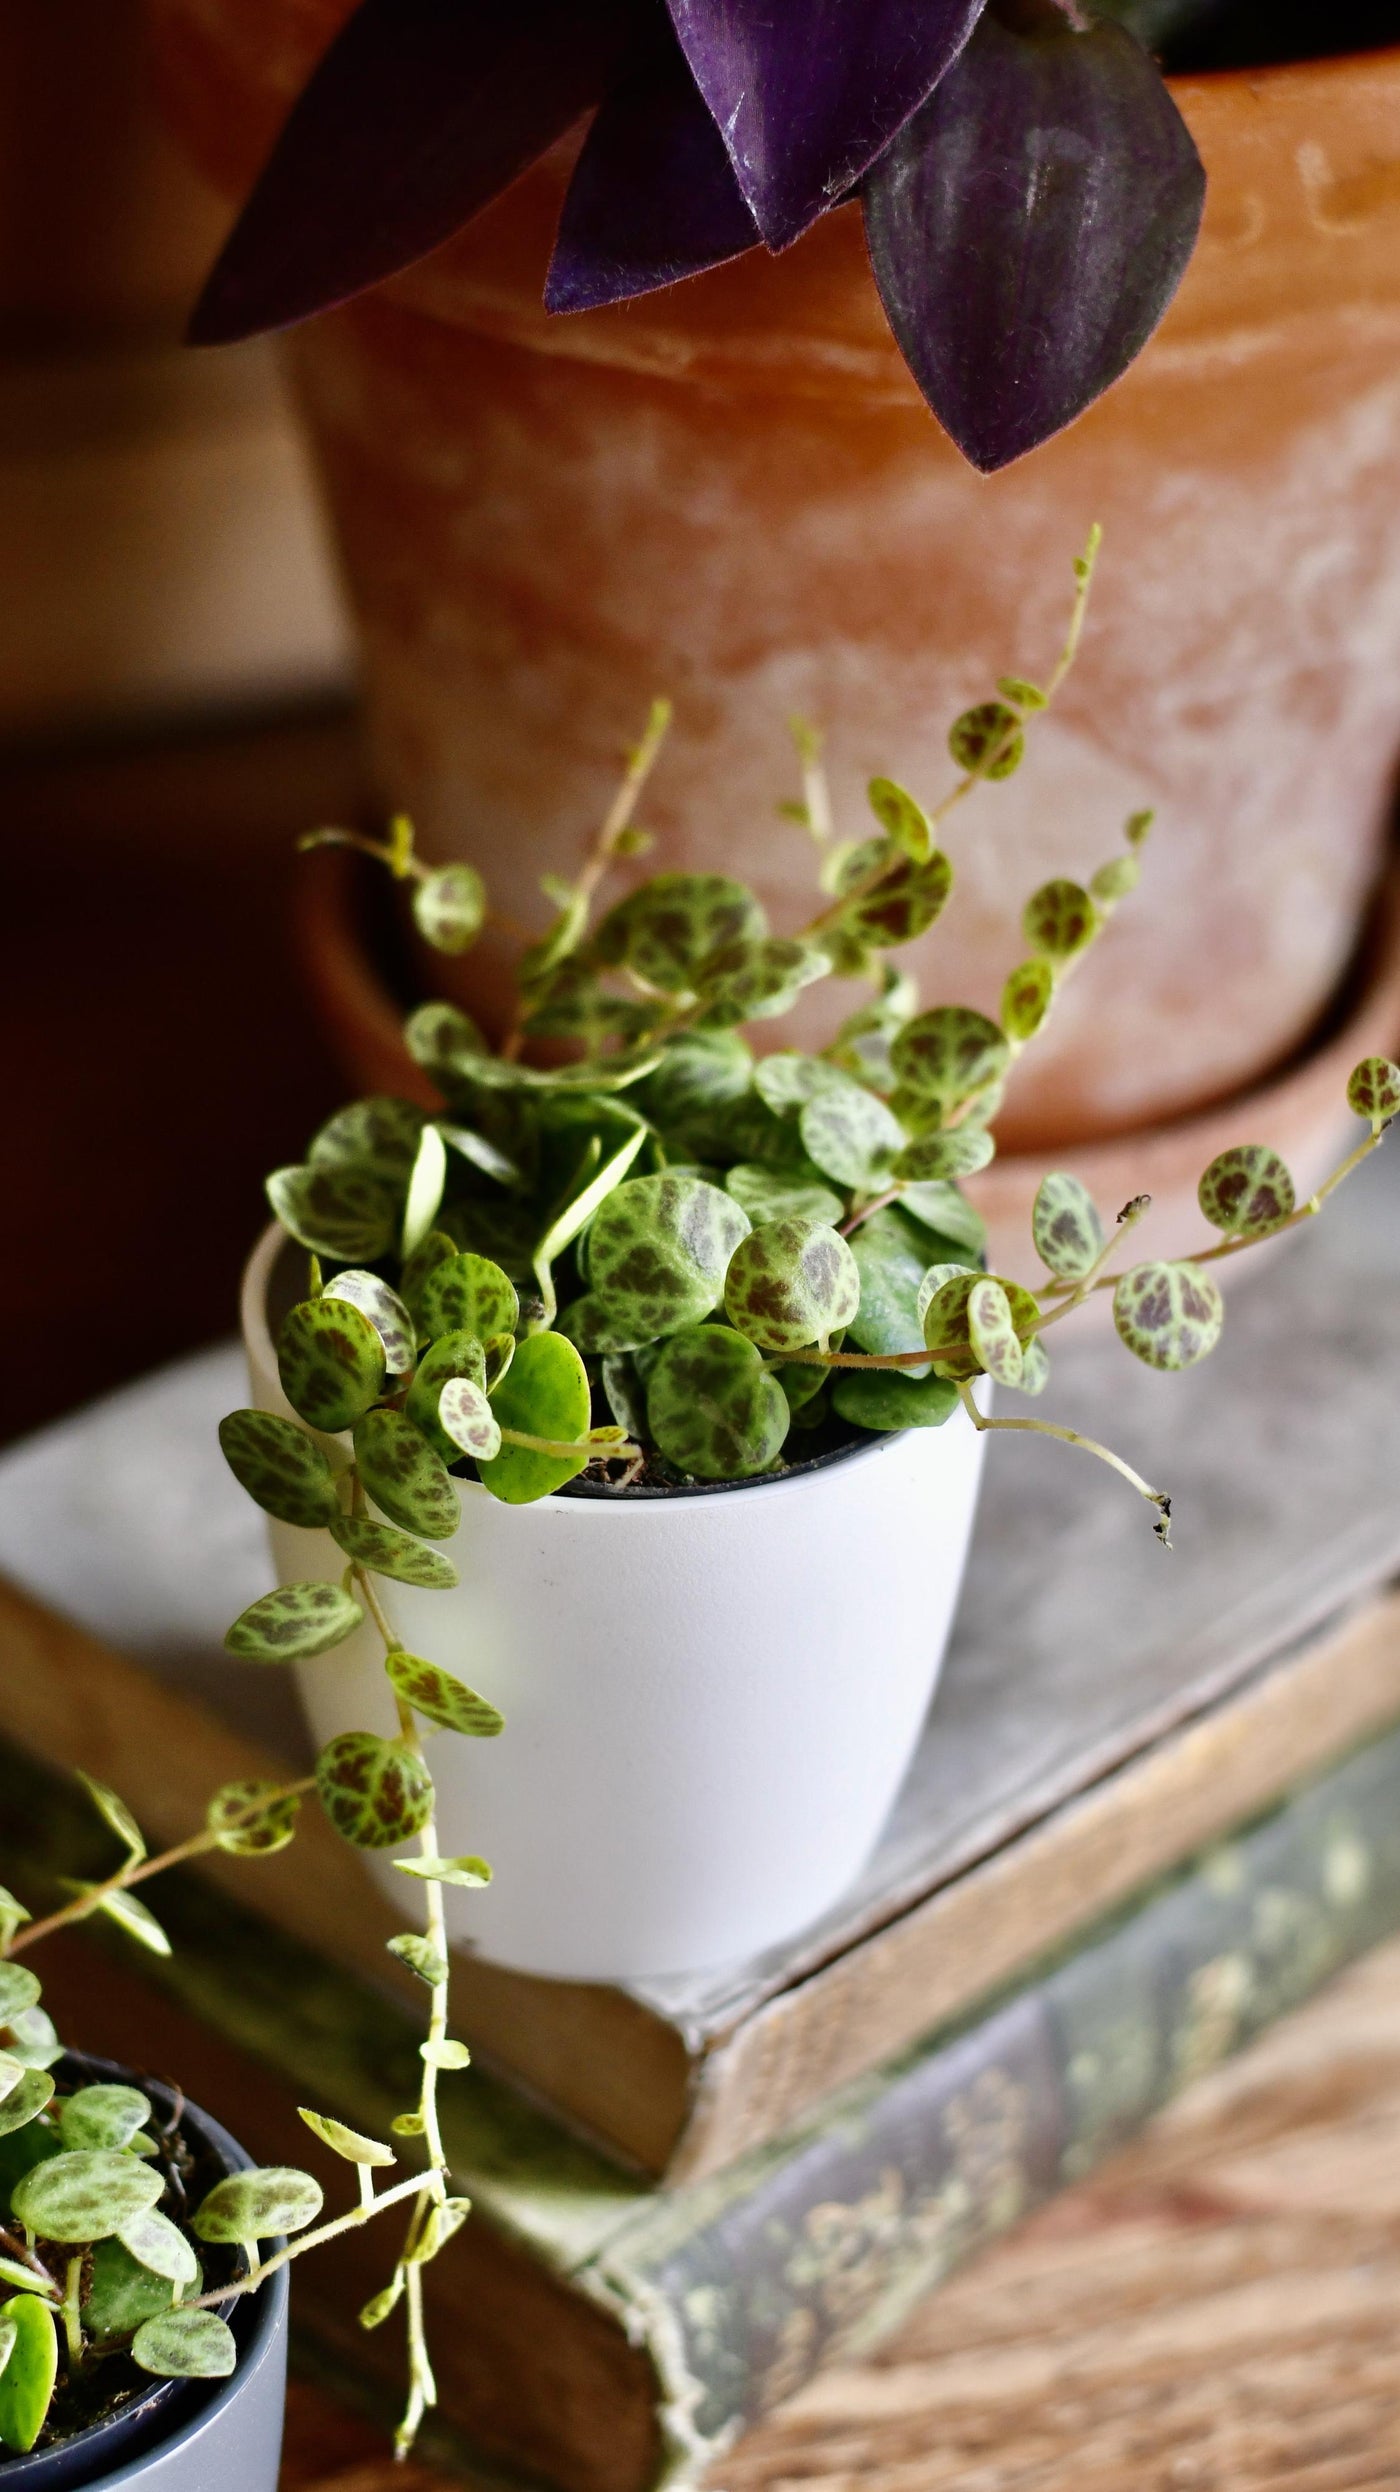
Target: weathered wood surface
1216, 2311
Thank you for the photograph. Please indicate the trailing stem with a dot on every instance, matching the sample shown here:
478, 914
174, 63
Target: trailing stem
1087, 1444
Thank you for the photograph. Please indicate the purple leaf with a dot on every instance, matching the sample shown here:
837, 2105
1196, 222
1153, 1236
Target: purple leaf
420, 112
653, 196
806, 93
1029, 228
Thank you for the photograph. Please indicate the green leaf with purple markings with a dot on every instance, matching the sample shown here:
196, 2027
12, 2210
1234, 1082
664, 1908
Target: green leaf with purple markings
376, 1792
791, 1283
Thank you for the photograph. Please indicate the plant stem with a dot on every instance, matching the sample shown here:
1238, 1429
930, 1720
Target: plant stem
71, 2313
338, 2224
134, 1872
564, 1453
20, 2250
1087, 1444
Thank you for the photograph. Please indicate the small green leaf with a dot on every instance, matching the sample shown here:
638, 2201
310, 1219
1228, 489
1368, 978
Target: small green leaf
1113, 882
1247, 1190
440, 1698
947, 1318
249, 2207
902, 818
987, 742
31, 2037
337, 1212
421, 1957
347, 2143
25, 2101
991, 1333
1022, 695
387, 1551
426, 1185
905, 902
1066, 1227
672, 923
884, 1400
850, 1135
788, 1080
13, 1915
466, 1294
386, 1312
253, 1818
447, 1044
1373, 1091
891, 1256
378, 1137
790, 1283
437, 1248
481, 1153
27, 2380
1026, 998
770, 1194
113, 1808
135, 1918
11, 2272
185, 2345
102, 2115
283, 1469
380, 2305
658, 1251
755, 981
159, 2246
83, 2196
545, 1392
958, 1153
11, 2073
404, 1476
19, 1989
448, 2055
1060, 920
465, 1870
449, 907
120, 2293
376, 1792
713, 1409
1137, 826
1168, 1314
452, 1355
949, 1054
293, 1623
1035, 1368
331, 1363
940, 1208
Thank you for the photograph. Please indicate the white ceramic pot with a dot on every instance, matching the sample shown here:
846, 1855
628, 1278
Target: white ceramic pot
711, 1695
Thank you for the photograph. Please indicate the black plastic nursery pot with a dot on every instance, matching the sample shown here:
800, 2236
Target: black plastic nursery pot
179, 2435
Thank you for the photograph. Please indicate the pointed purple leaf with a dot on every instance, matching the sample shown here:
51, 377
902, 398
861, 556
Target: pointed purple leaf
418, 115
806, 93
1029, 228
653, 198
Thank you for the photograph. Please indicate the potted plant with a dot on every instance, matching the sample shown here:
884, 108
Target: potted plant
637, 1398
733, 485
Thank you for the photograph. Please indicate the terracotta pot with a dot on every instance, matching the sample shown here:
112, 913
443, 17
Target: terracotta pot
732, 492
1300, 1110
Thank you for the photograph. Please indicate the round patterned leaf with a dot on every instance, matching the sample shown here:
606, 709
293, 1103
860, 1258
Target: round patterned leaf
700, 1071
790, 1283
891, 1255
102, 2115
1168, 1314
19, 1989
955, 1227
283, 1470
249, 2207
405, 1477
294, 1623
442, 1699
253, 1817
1026, 998
185, 2345
31, 2036
948, 1054
119, 2292
600, 1330
1373, 1090
991, 1333
884, 1400
787, 1080
448, 1046
669, 925
452, 1354
947, 1328
331, 1363
1066, 1226
1060, 920
337, 1212
468, 1419
449, 907
712, 1408
958, 1153
755, 981
902, 818
544, 1392
987, 742
437, 1247
851, 1135
1113, 882
422, 1958
768, 1194
1246, 1190
378, 1137
26, 2100
387, 1551
376, 1793
904, 903
83, 2196
348, 2143
658, 1252
160, 2247
30, 2370
466, 1294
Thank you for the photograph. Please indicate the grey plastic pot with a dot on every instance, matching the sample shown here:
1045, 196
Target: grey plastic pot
181, 2435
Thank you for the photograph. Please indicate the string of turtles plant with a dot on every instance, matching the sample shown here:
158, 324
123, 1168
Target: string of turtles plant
664, 1256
